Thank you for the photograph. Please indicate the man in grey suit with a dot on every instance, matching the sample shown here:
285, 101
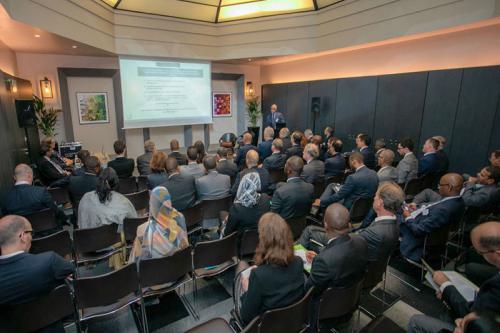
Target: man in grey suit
213, 185
181, 187
408, 167
192, 168
482, 191
386, 172
225, 166
277, 159
314, 170
144, 159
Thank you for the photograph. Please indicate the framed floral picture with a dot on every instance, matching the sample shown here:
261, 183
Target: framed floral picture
222, 105
92, 107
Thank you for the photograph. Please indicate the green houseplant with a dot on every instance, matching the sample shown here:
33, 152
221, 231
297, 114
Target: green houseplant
46, 119
254, 113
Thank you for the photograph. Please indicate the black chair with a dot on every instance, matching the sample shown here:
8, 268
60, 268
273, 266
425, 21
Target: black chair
127, 185
248, 243
360, 208
59, 195
106, 294
297, 225
95, 244
211, 208
228, 140
193, 217
215, 325
140, 200
40, 313
43, 220
339, 179
412, 188
277, 175
142, 183
319, 187
60, 243
427, 181
130, 225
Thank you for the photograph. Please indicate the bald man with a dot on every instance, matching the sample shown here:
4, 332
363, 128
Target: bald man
486, 241
252, 160
421, 222
181, 186
243, 150
387, 172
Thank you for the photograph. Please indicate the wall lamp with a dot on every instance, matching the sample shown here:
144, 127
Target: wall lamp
249, 89
46, 88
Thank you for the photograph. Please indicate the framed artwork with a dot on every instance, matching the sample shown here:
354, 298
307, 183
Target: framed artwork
92, 107
222, 105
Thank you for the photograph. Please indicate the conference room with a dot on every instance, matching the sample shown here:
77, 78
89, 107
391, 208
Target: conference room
250, 166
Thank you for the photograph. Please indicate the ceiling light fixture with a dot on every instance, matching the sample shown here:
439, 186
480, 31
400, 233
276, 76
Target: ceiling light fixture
37, 36
74, 46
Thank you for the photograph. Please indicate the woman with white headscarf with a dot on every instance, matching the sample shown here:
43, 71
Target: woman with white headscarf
249, 205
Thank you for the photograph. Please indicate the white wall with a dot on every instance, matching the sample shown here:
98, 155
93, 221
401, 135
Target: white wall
8, 61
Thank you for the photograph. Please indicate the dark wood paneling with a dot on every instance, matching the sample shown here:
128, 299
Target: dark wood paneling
274, 94
297, 106
355, 108
495, 133
477, 106
327, 91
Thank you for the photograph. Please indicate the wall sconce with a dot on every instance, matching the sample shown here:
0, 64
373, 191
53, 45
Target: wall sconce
11, 85
249, 89
46, 88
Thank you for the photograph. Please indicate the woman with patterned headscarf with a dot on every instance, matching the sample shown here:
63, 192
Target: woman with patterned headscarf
165, 233
249, 205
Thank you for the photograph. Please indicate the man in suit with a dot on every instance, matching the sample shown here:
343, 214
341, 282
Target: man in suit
225, 166
362, 183
295, 149
213, 185
379, 147
408, 167
421, 222
386, 172
429, 162
192, 168
51, 173
264, 147
79, 185
314, 169
252, 160
486, 241
244, 149
293, 198
335, 162
144, 159
274, 117
482, 191
181, 186
284, 135
123, 166
277, 159
363, 142
174, 152
82, 155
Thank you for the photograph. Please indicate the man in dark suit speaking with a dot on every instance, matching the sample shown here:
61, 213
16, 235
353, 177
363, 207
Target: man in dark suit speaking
274, 117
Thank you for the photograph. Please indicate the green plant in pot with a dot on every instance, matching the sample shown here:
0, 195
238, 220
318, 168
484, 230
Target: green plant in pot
254, 113
46, 119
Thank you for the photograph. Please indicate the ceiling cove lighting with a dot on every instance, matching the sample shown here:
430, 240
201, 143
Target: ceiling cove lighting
263, 8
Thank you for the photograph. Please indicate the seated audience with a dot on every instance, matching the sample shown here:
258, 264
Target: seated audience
249, 205
213, 185
328, 134
79, 185
192, 168
175, 153
386, 172
495, 158
429, 162
200, 148
181, 186
308, 134
285, 137
317, 140
277, 279
51, 173
144, 159
105, 205
277, 159
293, 198
252, 160
79, 170
363, 145
165, 231
362, 183
379, 147
264, 147
482, 191
423, 221
443, 162
225, 166
158, 173
123, 166
296, 148
334, 161
408, 166
314, 169
244, 149
56, 157
486, 241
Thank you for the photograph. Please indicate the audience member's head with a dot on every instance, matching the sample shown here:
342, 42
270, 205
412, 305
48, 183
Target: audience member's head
192, 154
489, 175
222, 153
15, 234
310, 152
388, 199
379, 144
431, 145
385, 158
200, 148
363, 140
209, 162
275, 241
495, 158
328, 131
93, 165
277, 146
356, 160
336, 220
158, 162
247, 138
294, 166
317, 140
119, 147
248, 194
174, 145
108, 182
23, 173
405, 146
268, 133
149, 146
441, 140
335, 145
82, 155
274, 108
284, 133
46, 149
479, 321
172, 165
486, 241
308, 133
252, 159
450, 185
296, 137
51, 141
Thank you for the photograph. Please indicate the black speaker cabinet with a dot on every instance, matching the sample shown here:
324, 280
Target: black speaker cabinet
315, 104
25, 113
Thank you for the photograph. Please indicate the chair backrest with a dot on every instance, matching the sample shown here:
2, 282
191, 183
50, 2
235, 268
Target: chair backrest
127, 185
193, 216
427, 181
130, 225
277, 175
337, 302
360, 208
94, 239
106, 289
60, 195
211, 208
216, 252
413, 187
438, 237
38, 314
297, 225
290, 319
142, 183
43, 220
60, 243
319, 187
375, 272
249, 242
339, 179
163, 270
140, 200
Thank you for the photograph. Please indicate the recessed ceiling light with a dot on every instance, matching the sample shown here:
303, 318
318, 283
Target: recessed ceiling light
37, 36
249, 59
74, 46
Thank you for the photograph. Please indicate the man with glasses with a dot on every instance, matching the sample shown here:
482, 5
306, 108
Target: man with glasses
408, 167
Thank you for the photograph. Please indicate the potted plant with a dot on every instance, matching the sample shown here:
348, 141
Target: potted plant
254, 113
46, 119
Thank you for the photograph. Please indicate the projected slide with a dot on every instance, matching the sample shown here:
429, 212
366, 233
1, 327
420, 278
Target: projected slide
165, 93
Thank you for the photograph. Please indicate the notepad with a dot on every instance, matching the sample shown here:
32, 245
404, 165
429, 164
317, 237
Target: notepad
300, 251
465, 287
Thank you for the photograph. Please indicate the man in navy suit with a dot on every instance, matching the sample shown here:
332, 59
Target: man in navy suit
429, 163
274, 117
423, 221
264, 147
363, 142
243, 150
363, 183
443, 161
335, 163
